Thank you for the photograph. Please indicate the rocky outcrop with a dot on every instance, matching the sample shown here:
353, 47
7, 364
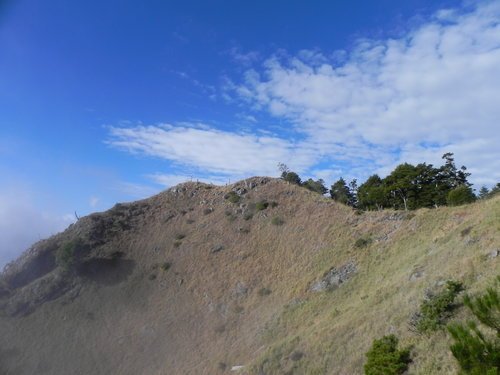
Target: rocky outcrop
334, 277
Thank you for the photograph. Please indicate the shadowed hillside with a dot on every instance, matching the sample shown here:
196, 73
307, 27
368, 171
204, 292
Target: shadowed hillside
261, 274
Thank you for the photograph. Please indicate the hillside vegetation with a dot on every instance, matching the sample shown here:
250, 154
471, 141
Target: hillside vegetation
262, 274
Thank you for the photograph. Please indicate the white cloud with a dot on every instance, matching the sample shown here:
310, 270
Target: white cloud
219, 152
244, 58
439, 84
93, 201
21, 224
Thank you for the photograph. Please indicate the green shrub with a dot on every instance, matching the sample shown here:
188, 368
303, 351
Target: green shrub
476, 352
362, 242
232, 197
66, 255
277, 221
384, 358
460, 195
264, 292
262, 205
222, 366
437, 308
165, 266
248, 216
291, 177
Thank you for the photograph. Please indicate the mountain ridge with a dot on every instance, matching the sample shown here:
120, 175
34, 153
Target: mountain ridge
201, 278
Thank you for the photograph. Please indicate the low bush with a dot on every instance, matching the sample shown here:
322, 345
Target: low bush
277, 221
207, 211
222, 366
264, 292
180, 236
66, 255
232, 197
248, 216
384, 358
436, 308
274, 204
362, 242
261, 206
165, 266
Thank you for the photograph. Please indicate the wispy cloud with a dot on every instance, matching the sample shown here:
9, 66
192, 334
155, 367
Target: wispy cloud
435, 88
212, 150
412, 98
244, 58
205, 88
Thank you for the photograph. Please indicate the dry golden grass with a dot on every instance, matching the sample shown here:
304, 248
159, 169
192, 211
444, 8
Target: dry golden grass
207, 308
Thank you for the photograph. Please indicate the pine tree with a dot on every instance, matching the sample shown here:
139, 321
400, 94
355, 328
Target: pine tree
476, 352
318, 186
340, 192
353, 191
483, 192
371, 194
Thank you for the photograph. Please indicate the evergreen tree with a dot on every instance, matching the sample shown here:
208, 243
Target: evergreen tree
460, 195
288, 175
495, 190
353, 190
401, 186
340, 192
427, 189
483, 192
318, 186
476, 352
451, 175
371, 194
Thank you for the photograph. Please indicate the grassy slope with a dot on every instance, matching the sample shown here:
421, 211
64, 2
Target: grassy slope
335, 329
197, 314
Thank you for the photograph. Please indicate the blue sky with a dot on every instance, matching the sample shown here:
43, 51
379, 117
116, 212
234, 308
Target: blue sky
107, 101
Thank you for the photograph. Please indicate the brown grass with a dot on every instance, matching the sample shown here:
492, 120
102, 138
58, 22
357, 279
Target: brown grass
173, 324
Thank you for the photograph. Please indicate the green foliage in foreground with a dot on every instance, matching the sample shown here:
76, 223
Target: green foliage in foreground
437, 308
384, 358
476, 351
